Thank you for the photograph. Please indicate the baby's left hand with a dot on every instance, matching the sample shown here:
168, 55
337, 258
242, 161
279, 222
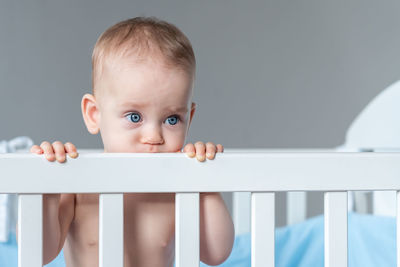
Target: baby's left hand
201, 150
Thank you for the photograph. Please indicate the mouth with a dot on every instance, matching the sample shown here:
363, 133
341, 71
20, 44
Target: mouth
151, 149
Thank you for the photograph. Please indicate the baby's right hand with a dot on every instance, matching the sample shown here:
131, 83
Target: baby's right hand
55, 151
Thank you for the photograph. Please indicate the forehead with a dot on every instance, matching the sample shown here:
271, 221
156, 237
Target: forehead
147, 82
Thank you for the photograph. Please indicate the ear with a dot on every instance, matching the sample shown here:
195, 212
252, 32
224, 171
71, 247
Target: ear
192, 110
91, 114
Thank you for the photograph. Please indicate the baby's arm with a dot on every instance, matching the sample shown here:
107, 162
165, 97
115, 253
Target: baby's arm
56, 232
216, 229
58, 209
216, 226
58, 213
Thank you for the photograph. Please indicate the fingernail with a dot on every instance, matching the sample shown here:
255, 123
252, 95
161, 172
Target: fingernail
201, 158
208, 155
50, 157
73, 154
191, 154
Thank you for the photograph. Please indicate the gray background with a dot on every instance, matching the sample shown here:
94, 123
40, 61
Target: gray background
271, 74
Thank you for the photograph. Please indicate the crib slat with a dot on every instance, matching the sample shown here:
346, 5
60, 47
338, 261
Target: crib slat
296, 207
335, 218
263, 229
398, 228
187, 229
30, 231
111, 230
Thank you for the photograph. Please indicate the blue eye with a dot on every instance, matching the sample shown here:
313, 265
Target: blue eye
134, 117
172, 120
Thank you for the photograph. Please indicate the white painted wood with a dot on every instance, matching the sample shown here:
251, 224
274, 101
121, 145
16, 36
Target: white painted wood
241, 212
262, 229
384, 203
30, 231
278, 171
111, 230
4, 217
296, 207
335, 229
187, 230
229, 172
398, 228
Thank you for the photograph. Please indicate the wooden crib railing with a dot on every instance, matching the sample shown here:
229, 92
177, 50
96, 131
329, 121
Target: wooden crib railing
111, 175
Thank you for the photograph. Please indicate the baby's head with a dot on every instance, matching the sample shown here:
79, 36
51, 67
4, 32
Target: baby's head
142, 76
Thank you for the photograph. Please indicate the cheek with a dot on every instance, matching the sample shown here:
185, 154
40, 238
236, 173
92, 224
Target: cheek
121, 142
112, 142
116, 138
174, 141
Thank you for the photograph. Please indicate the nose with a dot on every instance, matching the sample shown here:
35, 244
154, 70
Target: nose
152, 135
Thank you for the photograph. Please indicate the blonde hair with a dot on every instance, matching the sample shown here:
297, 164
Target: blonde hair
143, 36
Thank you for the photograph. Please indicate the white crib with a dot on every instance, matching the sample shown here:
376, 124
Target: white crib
261, 173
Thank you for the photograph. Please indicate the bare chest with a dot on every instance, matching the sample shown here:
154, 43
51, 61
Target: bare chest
149, 221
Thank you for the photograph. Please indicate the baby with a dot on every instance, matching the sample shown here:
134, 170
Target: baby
143, 73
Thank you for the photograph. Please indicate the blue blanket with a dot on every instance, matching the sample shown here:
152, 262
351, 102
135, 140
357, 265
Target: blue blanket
372, 242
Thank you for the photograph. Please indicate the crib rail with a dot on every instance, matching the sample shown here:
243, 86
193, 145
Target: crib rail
259, 173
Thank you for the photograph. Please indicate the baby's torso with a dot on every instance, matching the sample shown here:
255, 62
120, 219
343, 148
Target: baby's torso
149, 221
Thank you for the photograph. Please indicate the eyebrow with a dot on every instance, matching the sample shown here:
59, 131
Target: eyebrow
178, 109
172, 109
131, 104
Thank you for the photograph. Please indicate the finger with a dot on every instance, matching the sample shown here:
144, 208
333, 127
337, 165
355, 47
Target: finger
59, 151
36, 149
210, 150
220, 148
190, 150
48, 151
200, 151
71, 150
